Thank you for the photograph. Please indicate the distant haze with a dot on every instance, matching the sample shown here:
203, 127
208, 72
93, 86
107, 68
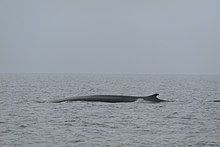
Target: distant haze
110, 36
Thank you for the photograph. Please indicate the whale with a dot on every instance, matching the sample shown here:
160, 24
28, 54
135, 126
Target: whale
112, 98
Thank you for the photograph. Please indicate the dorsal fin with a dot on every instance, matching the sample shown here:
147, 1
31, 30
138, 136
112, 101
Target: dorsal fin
153, 98
155, 95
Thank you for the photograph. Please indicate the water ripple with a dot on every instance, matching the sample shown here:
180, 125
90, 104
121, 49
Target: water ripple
191, 120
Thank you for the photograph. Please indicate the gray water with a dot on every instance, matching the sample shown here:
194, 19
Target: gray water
192, 120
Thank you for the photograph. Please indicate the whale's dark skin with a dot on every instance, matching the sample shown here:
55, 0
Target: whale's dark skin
111, 98
216, 101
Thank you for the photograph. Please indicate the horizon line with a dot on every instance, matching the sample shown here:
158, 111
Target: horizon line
105, 73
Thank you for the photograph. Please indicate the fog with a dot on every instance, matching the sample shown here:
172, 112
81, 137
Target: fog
114, 36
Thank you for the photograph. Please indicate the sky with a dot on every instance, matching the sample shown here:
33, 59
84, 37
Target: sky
110, 36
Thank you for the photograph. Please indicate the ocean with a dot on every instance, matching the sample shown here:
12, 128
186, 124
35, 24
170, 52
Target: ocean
193, 119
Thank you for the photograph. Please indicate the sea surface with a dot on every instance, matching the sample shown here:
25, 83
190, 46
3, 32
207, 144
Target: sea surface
191, 120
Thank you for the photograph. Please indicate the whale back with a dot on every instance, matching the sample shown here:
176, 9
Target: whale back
100, 98
111, 98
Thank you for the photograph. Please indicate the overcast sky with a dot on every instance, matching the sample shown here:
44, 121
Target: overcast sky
110, 36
